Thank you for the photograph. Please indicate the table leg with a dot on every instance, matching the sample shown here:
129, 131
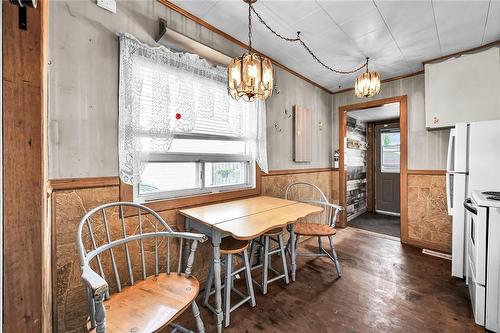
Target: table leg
293, 251
216, 239
186, 250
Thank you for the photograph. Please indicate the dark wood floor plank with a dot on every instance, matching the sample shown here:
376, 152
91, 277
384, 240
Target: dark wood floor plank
385, 287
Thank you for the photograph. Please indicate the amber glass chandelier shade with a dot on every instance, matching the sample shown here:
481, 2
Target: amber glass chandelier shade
367, 84
249, 77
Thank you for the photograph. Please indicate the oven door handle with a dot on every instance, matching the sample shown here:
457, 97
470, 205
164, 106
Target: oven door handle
469, 207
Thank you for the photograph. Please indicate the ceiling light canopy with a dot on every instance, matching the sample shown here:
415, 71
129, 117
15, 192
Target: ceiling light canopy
251, 75
367, 84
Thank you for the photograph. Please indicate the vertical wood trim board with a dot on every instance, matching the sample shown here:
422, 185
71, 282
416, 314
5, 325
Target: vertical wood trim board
26, 287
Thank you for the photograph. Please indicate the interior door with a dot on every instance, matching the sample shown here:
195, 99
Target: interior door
387, 168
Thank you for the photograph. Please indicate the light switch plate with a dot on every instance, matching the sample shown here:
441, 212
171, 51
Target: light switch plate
108, 5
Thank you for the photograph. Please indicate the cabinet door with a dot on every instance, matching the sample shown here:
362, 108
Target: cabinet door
463, 89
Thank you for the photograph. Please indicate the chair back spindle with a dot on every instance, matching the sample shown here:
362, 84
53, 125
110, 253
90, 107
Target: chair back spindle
111, 253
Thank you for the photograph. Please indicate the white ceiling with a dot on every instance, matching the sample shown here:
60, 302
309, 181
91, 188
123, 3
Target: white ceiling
397, 35
379, 113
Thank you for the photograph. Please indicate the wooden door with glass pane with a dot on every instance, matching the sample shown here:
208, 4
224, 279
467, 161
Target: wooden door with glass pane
387, 168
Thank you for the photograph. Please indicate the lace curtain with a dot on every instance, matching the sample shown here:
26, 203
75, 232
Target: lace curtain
162, 93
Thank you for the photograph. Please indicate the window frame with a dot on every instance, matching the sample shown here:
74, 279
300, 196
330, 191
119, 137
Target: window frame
201, 158
382, 132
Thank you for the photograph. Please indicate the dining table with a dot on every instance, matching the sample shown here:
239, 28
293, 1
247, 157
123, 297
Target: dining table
244, 219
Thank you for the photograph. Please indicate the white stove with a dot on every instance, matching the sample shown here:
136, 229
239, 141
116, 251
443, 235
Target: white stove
483, 256
487, 198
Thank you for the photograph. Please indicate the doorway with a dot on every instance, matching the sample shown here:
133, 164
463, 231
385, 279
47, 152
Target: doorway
373, 168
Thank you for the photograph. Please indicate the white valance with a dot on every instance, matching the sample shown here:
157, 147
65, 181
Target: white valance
163, 93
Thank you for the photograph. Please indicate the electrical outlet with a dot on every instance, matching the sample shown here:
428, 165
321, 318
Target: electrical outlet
108, 5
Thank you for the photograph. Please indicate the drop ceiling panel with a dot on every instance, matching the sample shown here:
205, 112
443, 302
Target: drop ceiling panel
290, 11
492, 32
415, 34
460, 24
397, 35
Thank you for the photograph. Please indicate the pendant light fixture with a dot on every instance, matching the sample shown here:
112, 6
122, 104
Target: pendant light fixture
251, 75
367, 84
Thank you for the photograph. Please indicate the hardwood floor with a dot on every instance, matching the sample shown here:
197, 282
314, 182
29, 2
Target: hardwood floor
385, 287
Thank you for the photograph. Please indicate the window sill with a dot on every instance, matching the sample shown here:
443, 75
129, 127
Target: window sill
126, 194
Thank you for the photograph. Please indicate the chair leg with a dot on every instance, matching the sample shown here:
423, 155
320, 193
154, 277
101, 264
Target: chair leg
283, 258
197, 317
266, 265
334, 253
261, 248
320, 245
100, 314
227, 289
208, 286
248, 276
251, 252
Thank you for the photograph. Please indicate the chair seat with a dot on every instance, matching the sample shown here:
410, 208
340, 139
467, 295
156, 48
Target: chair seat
274, 232
151, 304
314, 229
230, 245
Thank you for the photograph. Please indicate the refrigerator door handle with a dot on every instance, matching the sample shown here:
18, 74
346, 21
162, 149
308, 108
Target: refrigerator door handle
451, 142
449, 199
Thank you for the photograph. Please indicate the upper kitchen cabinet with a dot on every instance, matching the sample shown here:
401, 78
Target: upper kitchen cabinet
463, 89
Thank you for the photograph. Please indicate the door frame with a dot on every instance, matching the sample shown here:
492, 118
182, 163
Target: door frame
403, 122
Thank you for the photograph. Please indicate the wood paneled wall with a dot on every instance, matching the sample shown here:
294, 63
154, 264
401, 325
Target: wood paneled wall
26, 292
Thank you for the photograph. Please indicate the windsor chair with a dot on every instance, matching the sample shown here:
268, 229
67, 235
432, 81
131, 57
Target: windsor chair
154, 301
324, 226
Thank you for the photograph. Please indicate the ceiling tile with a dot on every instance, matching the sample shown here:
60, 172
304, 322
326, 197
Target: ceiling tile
290, 11
460, 24
412, 25
492, 32
345, 11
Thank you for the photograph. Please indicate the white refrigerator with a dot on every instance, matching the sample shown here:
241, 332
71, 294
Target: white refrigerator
472, 164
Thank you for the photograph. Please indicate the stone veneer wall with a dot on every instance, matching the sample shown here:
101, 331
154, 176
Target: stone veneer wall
68, 206
428, 222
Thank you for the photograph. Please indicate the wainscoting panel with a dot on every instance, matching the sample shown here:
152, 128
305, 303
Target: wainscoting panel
327, 181
428, 222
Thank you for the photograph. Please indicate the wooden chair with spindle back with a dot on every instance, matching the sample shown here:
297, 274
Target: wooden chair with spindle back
157, 299
325, 224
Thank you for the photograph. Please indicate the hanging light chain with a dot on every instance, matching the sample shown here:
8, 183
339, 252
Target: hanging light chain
298, 39
250, 27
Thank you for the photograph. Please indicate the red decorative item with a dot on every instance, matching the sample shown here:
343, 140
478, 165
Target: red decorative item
177, 116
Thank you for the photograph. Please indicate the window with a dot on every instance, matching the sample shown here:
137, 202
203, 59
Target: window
208, 152
171, 175
390, 145
180, 132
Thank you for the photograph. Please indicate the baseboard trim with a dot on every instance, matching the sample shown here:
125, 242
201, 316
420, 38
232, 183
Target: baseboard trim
436, 254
